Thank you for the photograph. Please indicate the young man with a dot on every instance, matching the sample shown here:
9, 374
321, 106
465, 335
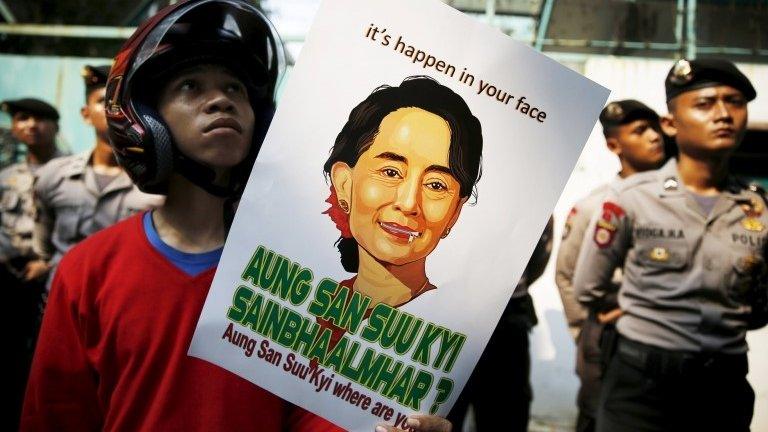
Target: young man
188, 103
78, 195
33, 123
633, 133
691, 239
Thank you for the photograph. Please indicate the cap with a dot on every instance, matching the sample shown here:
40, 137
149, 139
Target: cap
625, 111
94, 77
686, 75
36, 107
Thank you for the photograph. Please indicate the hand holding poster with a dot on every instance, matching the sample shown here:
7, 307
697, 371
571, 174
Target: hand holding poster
399, 193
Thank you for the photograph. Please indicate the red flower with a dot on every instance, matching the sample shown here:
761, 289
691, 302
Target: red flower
337, 215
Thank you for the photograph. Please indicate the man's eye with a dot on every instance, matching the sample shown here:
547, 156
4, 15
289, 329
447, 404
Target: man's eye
235, 88
737, 102
188, 85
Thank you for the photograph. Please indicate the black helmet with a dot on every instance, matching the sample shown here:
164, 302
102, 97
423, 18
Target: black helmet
232, 33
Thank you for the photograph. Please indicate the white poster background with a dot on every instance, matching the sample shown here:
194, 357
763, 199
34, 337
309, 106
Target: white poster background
525, 167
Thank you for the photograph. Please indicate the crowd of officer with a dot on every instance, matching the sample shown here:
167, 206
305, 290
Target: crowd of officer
49, 202
663, 271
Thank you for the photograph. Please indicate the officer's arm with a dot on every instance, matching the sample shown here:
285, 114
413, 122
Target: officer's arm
605, 244
7, 251
573, 233
758, 293
62, 387
44, 221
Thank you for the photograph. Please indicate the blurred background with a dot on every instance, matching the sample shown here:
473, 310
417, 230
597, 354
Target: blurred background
626, 45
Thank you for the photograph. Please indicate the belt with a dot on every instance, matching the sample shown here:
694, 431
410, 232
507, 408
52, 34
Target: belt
660, 361
16, 266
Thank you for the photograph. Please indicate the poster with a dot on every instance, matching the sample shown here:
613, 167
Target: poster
411, 167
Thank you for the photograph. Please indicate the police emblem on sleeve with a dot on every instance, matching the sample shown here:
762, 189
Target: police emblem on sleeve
605, 230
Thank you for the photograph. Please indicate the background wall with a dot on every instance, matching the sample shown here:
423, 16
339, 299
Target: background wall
56, 80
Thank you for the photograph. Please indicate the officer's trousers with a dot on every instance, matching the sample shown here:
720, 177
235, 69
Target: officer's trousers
650, 389
590, 365
24, 302
499, 388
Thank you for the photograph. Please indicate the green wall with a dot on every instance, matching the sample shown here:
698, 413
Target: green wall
56, 80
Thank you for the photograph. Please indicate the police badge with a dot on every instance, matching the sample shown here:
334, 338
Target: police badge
682, 73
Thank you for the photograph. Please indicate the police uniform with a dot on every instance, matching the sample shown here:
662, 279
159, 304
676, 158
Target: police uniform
589, 333
689, 276
72, 203
585, 328
23, 298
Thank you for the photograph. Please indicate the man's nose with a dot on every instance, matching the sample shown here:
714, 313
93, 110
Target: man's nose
30, 122
219, 102
653, 135
722, 112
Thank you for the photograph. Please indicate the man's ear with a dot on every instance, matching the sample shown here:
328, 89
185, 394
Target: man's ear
668, 126
85, 112
613, 145
341, 179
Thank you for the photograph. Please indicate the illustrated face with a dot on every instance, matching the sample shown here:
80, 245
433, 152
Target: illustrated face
34, 131
93, 112
640, 143
712, 119
401, 193
208, 112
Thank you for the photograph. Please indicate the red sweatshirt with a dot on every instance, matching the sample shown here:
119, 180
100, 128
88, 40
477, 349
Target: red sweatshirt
112, 352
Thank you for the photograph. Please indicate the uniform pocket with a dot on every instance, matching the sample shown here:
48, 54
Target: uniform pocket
9, 208
67, 227
747, 269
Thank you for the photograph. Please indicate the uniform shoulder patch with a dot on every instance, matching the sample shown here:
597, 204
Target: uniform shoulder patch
607, 224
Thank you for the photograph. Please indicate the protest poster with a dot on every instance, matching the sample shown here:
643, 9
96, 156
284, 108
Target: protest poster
411, 167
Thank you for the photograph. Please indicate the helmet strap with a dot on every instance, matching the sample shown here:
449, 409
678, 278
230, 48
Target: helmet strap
200, 175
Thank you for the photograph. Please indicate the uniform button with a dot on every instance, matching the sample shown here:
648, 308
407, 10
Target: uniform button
709, 264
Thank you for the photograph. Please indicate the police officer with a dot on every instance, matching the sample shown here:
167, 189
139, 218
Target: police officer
80, 194
692, 239
33, 123
633, 133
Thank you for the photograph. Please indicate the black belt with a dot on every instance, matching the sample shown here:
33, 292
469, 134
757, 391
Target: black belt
655, 360
17, 266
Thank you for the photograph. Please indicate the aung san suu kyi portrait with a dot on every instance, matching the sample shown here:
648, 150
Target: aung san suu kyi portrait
401, 170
